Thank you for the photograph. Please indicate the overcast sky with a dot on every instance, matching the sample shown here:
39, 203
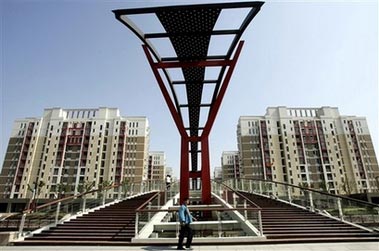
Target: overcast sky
75, 54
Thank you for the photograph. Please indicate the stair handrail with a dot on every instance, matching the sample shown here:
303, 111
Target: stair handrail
75, 196
57, 202
239, 194
353, 211
314, 190
147, 202
137, 212
259, 209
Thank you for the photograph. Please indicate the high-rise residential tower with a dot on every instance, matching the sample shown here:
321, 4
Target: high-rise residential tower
315, 147
230, 165
68, 148
156, 166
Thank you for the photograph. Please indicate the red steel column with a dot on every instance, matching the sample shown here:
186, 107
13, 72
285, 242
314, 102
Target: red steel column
184, 160
184, 170
185, 139
205, 169
205, 172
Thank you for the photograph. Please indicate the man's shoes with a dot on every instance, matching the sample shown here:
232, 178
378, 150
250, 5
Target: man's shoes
181, 248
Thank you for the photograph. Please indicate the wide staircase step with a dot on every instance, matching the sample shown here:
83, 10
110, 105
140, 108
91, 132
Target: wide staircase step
282, 221
112, 224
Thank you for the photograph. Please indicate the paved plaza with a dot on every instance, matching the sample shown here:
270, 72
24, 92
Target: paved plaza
348, 246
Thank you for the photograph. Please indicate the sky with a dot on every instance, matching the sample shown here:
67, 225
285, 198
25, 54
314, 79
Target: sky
75, 54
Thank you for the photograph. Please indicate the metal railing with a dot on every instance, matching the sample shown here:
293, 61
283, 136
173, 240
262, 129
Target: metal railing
212, 222
59, 210
241, 218
340, 207
238, 200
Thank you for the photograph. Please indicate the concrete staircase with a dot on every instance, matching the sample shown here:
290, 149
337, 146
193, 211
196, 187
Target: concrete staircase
283, 221
113, 224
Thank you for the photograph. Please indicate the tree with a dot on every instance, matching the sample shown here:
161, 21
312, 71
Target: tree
86, 186
124, 185
323, 186
347, 186
36, 191
61, 189
103, 185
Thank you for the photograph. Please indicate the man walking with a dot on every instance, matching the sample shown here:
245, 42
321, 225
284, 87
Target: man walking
185, 219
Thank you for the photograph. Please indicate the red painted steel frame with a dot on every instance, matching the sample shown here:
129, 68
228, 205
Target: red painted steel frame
184, 170
204, 174
166, 95
217, 103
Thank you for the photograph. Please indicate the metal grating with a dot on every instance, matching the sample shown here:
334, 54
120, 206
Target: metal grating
189, 29
197, 22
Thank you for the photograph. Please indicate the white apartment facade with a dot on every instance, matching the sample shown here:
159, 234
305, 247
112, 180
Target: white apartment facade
217, 173
66, 149
230, 165
156, 166
314, 147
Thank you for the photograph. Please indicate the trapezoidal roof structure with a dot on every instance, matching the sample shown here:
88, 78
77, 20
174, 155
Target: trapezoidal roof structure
191, 31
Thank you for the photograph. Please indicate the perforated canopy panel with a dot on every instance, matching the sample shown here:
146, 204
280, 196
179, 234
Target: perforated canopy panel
190, 29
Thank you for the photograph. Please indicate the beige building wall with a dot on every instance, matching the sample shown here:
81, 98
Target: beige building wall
230, 165
314, 147
69, 148
217, 173
157, 166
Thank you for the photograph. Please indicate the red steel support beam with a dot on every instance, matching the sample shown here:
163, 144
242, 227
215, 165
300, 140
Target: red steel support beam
221, 94
166, 95
184, 170
205, 172
194, 138
195, 174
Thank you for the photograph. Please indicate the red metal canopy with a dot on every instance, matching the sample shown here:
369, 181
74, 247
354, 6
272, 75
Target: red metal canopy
190, 29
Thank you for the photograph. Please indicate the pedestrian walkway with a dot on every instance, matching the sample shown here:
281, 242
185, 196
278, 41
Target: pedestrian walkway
347, 246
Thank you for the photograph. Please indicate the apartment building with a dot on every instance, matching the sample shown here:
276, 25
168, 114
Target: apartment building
230, 165
314, 147
217, 173
66, 149
156, 166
